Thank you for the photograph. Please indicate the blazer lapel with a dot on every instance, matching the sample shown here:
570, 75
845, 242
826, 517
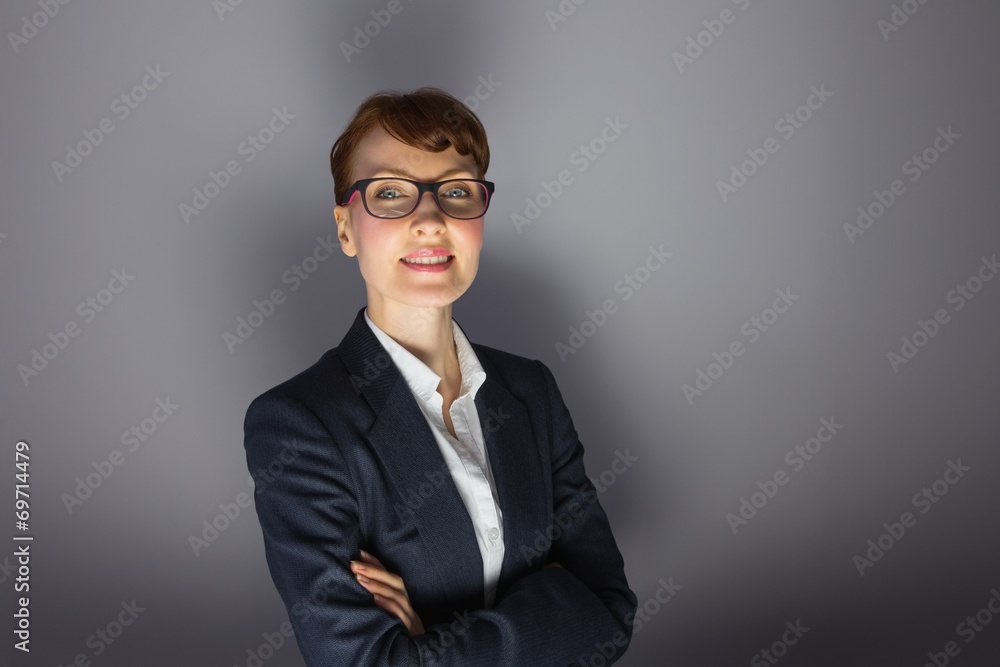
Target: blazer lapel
405, 445
512, 447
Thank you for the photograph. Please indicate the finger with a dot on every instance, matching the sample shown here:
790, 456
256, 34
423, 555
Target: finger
370, 558
388, 579
383, 590
395, 601
396, 610
367, 563
392, 606
378, 573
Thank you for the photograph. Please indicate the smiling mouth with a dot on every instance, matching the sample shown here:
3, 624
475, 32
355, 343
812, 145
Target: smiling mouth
440, 259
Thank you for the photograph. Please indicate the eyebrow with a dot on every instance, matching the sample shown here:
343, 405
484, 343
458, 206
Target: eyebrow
405, 174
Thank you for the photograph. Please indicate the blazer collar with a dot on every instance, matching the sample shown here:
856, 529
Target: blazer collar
421, 378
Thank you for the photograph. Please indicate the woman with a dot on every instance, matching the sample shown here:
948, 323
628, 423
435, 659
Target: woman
423, 499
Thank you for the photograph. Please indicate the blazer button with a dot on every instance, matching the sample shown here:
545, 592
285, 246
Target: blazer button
494, 533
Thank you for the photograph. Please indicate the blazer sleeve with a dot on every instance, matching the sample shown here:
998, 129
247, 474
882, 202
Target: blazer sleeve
307, 504
582, 539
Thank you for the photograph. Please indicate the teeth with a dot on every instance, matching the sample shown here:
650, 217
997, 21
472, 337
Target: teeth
440, 259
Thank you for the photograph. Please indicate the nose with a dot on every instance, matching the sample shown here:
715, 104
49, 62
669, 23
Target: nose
428, 209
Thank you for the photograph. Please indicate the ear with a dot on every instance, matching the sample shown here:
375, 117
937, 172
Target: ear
342, 216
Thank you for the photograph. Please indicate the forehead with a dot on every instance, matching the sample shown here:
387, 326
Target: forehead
380, 152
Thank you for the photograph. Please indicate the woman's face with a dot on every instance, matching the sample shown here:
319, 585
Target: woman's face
380, 245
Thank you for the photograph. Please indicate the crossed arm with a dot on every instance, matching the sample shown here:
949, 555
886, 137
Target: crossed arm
554, 615
389, 590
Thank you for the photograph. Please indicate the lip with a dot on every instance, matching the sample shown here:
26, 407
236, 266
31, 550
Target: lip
428, 252
429, 268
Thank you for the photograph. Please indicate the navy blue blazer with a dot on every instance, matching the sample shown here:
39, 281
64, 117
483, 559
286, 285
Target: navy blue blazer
343, 459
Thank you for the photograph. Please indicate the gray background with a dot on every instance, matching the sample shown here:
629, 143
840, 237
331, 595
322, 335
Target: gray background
826, 357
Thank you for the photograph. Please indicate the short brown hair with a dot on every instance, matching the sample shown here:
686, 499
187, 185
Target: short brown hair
426, 118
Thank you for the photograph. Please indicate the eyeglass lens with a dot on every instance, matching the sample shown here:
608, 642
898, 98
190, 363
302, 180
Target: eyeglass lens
396, 198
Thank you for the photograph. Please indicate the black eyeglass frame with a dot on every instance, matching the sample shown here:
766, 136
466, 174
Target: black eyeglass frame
362, 185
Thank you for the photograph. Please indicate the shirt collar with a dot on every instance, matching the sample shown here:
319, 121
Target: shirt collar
424, 381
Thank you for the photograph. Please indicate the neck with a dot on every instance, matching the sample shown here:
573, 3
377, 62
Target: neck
426, 333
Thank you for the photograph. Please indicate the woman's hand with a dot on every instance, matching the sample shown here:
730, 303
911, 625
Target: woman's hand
388, 589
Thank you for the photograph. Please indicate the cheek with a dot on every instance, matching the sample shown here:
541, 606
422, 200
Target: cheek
473, 236
373, 239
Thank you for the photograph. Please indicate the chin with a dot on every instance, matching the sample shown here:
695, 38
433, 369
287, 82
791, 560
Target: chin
434, 297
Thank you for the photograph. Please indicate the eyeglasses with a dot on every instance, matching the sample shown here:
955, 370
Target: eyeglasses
462, 199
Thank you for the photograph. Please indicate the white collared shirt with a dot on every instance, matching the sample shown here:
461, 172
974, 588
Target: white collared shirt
465, 455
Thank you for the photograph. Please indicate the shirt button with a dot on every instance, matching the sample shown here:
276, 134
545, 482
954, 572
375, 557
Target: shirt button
494, 533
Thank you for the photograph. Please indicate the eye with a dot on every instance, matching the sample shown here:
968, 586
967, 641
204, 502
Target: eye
456, 191
388, 192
